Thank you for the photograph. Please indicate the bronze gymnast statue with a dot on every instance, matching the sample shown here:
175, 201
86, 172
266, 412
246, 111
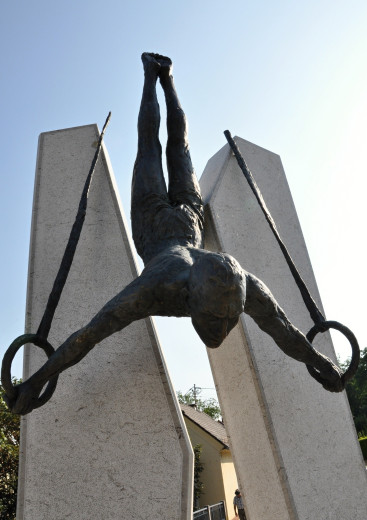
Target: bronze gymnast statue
180, 278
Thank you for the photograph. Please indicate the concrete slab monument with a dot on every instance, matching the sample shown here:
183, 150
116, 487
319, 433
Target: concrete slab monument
294, 444
111, 442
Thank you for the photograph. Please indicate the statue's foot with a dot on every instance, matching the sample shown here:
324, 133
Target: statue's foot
162, 65
164, 61
151, 65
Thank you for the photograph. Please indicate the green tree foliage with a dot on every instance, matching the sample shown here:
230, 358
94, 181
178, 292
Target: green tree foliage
357, 394
9, 457
363, 445
208, 406
198, 468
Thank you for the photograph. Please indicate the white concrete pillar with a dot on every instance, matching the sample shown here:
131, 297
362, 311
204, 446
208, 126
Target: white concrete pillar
294, 444
111, 443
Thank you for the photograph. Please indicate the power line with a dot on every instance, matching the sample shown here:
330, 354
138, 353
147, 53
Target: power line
195, 390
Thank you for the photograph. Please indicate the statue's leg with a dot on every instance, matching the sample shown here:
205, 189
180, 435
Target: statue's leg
148, 184
265, 311
183, 185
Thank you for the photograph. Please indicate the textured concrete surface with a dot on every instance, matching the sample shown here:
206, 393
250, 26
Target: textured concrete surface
111, 443
294, 444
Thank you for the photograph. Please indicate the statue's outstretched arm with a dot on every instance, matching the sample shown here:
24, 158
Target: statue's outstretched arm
263, 308
131, 304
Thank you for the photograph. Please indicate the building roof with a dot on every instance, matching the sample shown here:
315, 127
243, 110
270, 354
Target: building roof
215, 428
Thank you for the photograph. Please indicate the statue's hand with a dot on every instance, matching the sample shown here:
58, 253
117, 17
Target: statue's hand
27, 395
330, 376
332, 379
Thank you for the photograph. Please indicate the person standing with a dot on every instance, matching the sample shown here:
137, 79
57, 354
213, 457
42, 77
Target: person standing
239, 508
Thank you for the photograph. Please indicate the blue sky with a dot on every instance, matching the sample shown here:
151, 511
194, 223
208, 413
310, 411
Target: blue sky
288, 76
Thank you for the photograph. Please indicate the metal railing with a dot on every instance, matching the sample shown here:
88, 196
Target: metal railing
214, 512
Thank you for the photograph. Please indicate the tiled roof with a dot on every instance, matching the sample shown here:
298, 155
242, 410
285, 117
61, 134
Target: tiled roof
214, 428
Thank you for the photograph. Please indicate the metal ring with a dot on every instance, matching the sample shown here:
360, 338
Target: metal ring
352, 369
11, 390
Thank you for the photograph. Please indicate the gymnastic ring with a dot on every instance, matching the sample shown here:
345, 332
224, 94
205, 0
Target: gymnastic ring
353, 366
10, 389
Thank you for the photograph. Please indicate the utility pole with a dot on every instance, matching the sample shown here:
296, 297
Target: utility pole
195, 391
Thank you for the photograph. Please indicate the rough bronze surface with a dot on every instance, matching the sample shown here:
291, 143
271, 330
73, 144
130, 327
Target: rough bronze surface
180, 278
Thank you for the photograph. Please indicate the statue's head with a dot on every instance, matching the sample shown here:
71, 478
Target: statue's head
217, 296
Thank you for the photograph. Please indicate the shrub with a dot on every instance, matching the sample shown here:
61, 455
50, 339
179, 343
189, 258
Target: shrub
363, 445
